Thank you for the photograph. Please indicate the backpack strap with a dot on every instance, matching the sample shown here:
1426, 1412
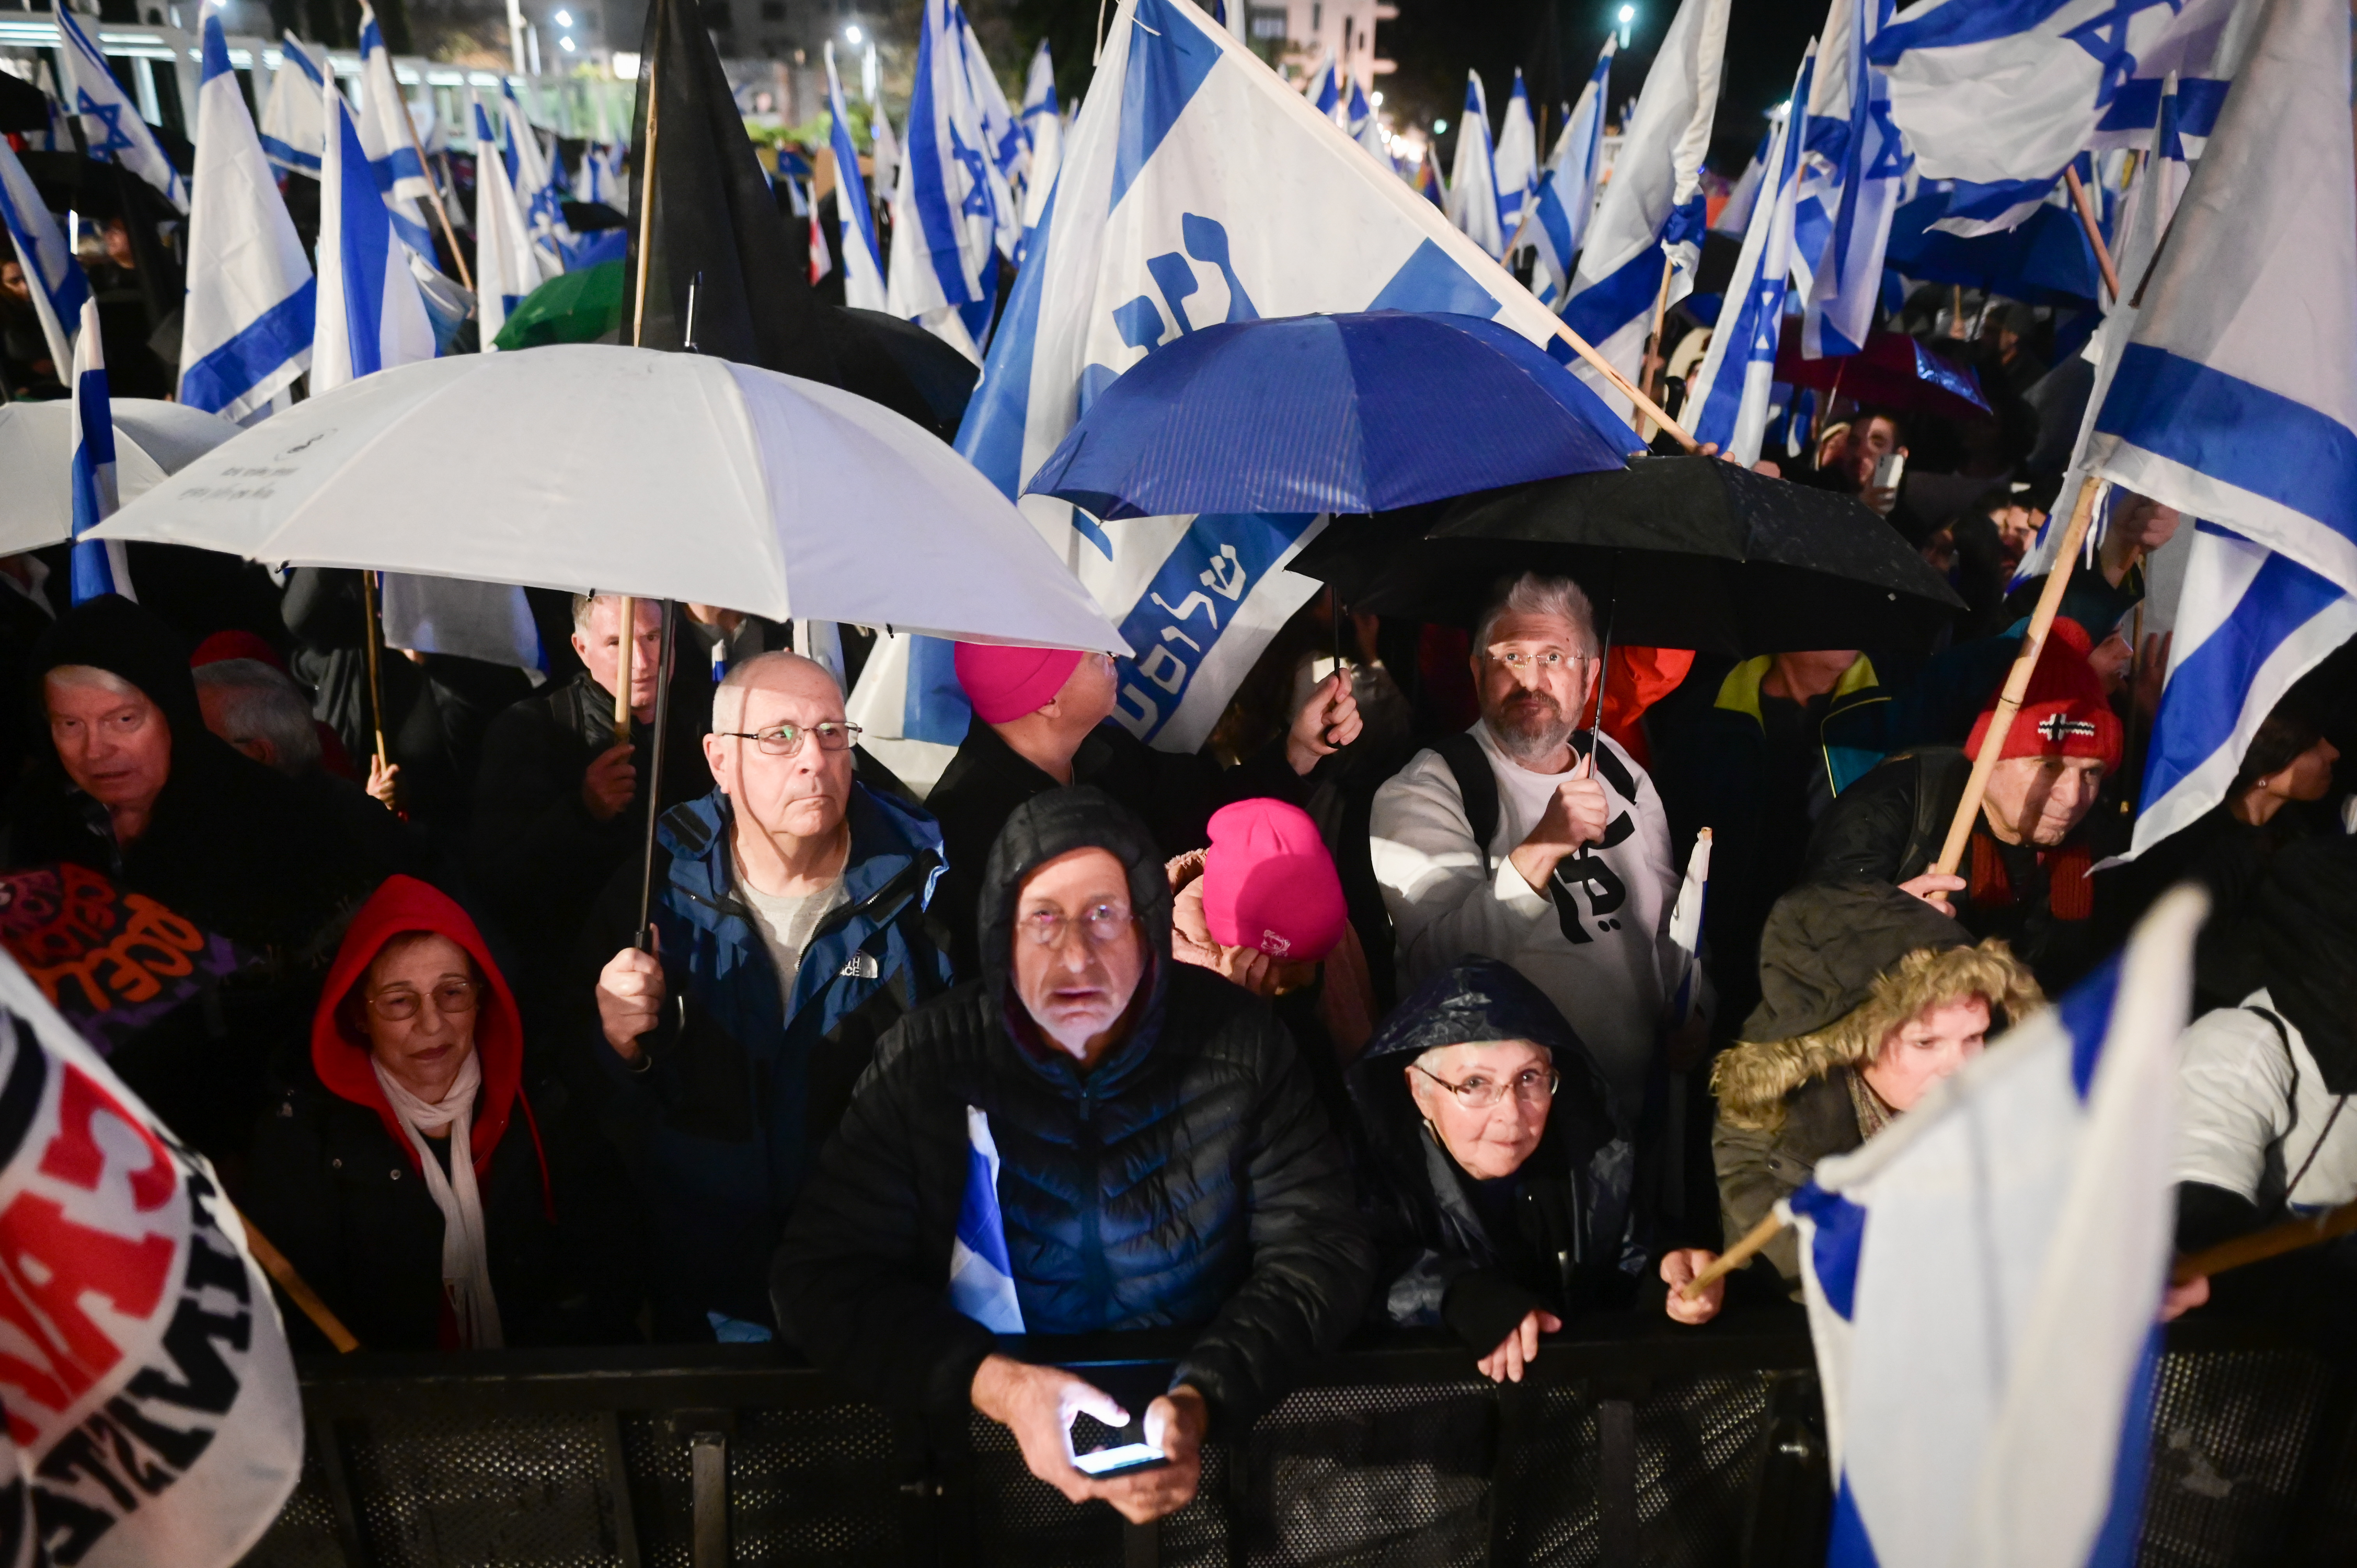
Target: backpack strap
1476, 786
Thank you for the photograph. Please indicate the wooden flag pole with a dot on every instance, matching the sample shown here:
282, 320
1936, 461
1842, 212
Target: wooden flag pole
433, 193
2086, 207
2290, 1236
1735, 1257
374, 632
1960, 830
298, 1290
646, 212
627, 621
1603, 367
1655, 362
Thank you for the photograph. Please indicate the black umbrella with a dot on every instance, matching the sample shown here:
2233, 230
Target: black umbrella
1679, 552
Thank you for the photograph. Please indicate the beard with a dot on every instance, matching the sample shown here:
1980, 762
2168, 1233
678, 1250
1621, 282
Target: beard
1530, 727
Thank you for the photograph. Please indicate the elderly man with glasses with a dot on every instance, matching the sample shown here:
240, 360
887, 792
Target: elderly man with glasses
789, 931
1089, 1138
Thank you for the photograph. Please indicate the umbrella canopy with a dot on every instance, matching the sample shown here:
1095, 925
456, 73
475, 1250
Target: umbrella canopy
1681, 552
579, 306
2045, 261
152, 439
1342, 413
1892, 370
588, 467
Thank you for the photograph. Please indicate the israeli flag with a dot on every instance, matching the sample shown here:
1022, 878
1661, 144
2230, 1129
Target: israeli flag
1472, 200
863, 267
1869, 168
371, 316
1043, 127
384, 126
944, 210
2235, 398
248, 320
2001, 97
1982, 1276
982, 1277
98, 565
1727, 399
1002, 132
885, 149
1652, 207
1324, 88
294, 129
1364, 128
58, 285
1578, 161
109, 120
1197, 188
1516, 163
534, 178
508, 268
2250, 622
1735, 212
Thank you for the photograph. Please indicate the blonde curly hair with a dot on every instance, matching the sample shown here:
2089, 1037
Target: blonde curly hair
1751, 1078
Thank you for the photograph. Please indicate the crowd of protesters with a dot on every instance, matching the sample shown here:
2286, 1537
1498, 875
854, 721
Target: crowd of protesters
1369, 1016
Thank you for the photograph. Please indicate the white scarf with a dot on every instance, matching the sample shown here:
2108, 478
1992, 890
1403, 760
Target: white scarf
466, 1261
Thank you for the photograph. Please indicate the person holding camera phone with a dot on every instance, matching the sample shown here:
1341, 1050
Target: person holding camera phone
1162, 1161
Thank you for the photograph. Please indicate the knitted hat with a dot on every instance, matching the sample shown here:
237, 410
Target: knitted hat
1004, 683
223, 646
2064, 713
1269, 884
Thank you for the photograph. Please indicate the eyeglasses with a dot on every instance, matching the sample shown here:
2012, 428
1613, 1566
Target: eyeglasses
1550, 660
1532, 1086
785, 740
1100, 923
451, 996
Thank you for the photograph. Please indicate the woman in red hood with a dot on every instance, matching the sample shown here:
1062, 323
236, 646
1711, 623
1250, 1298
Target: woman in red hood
409, 1179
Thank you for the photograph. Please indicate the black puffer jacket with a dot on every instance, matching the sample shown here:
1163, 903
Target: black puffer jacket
1189, 1181
1443, 1260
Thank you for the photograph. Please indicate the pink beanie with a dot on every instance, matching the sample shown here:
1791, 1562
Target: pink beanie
1269, 884
1004, 683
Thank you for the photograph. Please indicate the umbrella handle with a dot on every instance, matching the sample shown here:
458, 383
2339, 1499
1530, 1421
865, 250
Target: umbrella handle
644, 939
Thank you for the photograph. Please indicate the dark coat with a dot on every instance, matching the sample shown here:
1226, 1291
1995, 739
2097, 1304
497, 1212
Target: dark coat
1188, 1181
1758, 1168
735, 1091
336, 1187
1569, 1248
1174, 794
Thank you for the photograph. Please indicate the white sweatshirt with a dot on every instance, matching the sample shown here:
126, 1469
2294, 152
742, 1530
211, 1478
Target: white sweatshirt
1611, 984
2257, 1110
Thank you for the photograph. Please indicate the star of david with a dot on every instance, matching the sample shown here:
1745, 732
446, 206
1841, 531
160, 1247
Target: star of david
110, 116
2105, 37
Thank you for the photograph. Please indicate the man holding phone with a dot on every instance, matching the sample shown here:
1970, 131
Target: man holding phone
1153, 1155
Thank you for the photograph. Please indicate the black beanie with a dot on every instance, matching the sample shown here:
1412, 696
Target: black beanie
111, 633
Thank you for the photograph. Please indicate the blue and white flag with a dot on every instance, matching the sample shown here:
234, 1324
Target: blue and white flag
1001, 131
109, 120
2000, 97
371, 316
1982, 1277
2250, 622
488, 621
1197, 188
248, 319
54, 278
1515, 164
383, 118
98, 565
1364, 128
1578, 161
1726, 401
1869, 168
536, 190
944, 219
1043, 127
1735, 212
294, 127
2236, 399
982, 1277
863, 264
508, 268
1324, 88
1652, 207
1472, 201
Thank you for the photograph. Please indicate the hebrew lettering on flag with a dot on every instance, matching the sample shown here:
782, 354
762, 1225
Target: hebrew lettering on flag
151, 1407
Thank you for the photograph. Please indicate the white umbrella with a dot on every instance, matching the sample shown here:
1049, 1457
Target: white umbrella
591, 467
152, 439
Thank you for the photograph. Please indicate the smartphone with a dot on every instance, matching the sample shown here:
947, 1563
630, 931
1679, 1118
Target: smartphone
1120, 1461
1887, 469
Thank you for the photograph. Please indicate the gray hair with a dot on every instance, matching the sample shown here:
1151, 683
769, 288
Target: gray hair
264, 704
729, 697
1535, 593
582, 605
91, 675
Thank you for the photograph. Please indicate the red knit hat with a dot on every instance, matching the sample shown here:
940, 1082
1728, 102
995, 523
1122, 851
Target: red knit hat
1269, 884
2064, 713
1004, 683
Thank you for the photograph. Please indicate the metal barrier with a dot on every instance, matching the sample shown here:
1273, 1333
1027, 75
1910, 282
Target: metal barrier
1630, 1443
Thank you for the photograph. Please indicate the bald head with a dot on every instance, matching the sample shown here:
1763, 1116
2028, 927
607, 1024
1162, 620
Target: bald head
788, 673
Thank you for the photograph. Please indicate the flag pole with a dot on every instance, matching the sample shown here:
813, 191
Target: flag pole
1604, 368
434, 191
1656, 361
2085, 206
1754, 1241
2017, 684
374, 635
2287, 1236
298, 1290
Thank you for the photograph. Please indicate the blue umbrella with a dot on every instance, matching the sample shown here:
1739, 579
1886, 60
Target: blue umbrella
2044, 261
1339, 414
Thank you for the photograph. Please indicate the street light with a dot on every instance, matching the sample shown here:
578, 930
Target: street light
566, 44
1375, 99
854, 34
565, 18
1440, 127
1627, 16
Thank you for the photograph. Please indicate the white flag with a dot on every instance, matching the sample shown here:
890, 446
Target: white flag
1474, 202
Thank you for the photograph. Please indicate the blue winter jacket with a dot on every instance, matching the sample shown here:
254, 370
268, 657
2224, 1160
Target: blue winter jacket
735, 1092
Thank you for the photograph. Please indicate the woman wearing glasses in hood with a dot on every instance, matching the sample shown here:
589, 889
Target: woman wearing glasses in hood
1498, 1178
